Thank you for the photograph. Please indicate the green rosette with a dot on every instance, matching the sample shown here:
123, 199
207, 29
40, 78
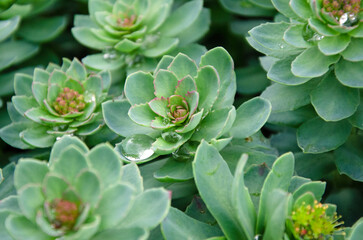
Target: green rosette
56, 101
131, 33
80, 194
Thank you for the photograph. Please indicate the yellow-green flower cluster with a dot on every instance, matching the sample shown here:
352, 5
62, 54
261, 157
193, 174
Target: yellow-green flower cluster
312, 222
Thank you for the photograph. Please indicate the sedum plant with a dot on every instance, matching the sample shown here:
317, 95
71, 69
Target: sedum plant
80, 194
181, 104
315, 58
170, 105
129, 31
57, 101
168, 113
284, 203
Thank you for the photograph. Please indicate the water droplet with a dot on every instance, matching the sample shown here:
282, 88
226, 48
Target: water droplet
281, 46
171, 136
316, 37
257, 237
109, 53
343, 19
166, 121
136, 148
352, 17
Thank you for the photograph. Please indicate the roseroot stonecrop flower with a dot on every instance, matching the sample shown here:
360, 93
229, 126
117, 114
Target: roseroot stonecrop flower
65, 213
57, 101
311, 222
69, 101
176, 104
80, 194
136, 29
339, 7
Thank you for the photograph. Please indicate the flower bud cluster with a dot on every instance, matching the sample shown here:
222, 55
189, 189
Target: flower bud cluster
340, 7
69, 101
312, 221
65, 214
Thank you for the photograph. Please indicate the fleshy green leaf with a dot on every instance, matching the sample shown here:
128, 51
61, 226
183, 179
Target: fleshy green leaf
114, 205
88, 38
241, 200
185, 85
142, 114
77, 71
278, 178
42, 29
182, 66
63, 143
165, 83
131, 175
301, 8
352, 77
346, 99
318, 136
349, 158
354, 52
22, 84
220, 59
174, 171
148, 209
215, 124
250, 117
280, 72
178, 225
137, 83
105, 161
8, 27
88, 186
30, 200
29, 171
182, 18
317, 188
302, 66
54, 187
116, 117
207, 82
294, 36
159, 106
21, 228
334, 45
162, 47
214, 182
321, 27
69, 164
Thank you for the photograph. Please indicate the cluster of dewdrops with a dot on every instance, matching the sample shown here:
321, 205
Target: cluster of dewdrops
311, 221
69, 101
340, 7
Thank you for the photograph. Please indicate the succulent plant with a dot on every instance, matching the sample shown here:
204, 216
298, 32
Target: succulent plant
284, 202
313, 221
127, 31
315, 57
177, 103
80, 194
55, 102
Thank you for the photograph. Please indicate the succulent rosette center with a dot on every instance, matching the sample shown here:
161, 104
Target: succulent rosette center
65, 214
69, 101
179, 109
125, 21
313, 221
339, 7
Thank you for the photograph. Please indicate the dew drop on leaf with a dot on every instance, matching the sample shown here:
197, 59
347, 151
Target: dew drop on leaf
171, 136
136, 148
109, 53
